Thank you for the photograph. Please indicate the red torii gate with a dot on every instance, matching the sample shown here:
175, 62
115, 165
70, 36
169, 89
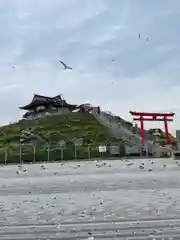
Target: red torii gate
144, 116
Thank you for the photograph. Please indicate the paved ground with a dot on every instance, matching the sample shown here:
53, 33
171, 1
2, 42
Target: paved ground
105, 200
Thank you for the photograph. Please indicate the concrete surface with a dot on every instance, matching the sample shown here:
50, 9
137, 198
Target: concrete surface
105, 200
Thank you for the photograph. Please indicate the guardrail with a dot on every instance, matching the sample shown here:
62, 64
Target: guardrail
29, 153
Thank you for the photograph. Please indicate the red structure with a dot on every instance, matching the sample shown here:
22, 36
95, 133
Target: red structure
159, 117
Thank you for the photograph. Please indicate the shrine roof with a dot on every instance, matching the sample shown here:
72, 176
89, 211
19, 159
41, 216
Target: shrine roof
44, 100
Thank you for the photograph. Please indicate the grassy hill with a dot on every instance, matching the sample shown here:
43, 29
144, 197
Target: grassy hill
48, 132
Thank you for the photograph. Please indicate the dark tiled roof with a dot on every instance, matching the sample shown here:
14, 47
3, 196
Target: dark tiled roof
43, 100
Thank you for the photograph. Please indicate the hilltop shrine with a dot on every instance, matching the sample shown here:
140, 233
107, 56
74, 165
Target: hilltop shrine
43, 106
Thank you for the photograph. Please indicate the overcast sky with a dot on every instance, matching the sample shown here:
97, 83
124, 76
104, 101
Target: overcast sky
89, 35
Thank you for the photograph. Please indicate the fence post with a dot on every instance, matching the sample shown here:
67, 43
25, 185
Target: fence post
48, 153
62, 154
89, 152
34, 153
20, 154
5, 156
75, 151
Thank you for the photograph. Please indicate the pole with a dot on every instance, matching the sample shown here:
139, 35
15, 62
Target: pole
48, 153
89, 153
48, 148
34, 153
62, 154
166, 131
20, 154
142, 130
6, 155
75, 151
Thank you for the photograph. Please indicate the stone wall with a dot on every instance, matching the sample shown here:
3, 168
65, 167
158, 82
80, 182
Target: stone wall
47, 112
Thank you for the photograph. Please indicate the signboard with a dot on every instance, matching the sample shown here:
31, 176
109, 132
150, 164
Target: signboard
78, 141
102, 149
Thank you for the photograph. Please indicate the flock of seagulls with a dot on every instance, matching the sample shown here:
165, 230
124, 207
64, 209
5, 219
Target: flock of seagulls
142, 165
67, 67
99, 164
139, 36
53, 204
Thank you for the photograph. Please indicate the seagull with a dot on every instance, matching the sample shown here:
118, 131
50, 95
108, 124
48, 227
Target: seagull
65, 66
43, 167
130, 163
13, 67
147, 39
139, 35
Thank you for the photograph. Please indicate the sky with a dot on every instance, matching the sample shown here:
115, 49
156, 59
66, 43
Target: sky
112, 66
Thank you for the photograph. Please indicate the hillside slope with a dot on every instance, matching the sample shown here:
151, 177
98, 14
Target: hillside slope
68, 127
48, 132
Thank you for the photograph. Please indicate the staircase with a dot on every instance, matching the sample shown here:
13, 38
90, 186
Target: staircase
133, 139
117, 129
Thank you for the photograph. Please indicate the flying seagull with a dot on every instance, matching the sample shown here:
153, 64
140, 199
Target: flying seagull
139, 35
147, 39
65, 66
13, 67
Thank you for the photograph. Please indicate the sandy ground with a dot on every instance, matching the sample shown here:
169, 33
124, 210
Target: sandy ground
90, 200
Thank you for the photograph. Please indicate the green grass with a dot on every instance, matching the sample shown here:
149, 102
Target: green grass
68, 127
53, 129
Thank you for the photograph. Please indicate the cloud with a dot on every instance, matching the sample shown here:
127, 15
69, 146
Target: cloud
8, 87
88, 35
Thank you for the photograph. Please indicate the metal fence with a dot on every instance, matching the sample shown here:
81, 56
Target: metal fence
34, 154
